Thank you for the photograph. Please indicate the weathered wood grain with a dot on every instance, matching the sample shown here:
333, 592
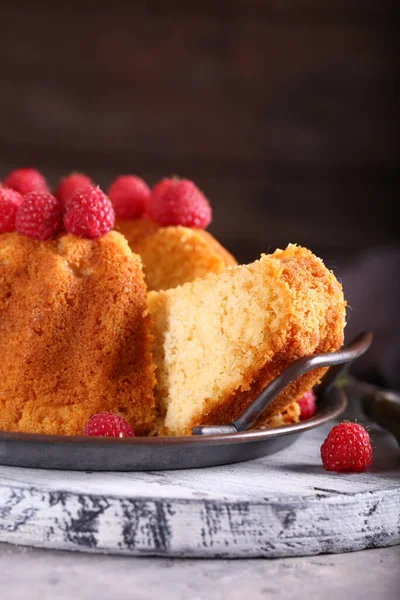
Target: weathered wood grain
283, 505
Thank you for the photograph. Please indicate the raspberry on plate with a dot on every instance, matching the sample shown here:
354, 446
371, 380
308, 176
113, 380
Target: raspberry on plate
70, 184
89, 213
25, 181
307, 405
38, 216
129, 196
182, 204
347, 448
9, 203
107, 424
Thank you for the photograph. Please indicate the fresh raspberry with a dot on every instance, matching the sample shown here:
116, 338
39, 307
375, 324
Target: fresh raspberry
89, 213
307, 405
25, 181
38, 216
129, 196
67, 186
182, 204
157, 191
347, 448
9, 203
107, 424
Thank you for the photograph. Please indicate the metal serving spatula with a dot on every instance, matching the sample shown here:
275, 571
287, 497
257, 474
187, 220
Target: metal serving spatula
379, 405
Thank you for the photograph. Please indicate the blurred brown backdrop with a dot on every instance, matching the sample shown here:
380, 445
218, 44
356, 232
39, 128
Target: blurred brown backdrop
283, 112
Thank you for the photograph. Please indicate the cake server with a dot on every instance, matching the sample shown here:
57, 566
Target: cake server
339, 360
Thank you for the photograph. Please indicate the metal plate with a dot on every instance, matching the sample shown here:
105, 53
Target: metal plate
158, 453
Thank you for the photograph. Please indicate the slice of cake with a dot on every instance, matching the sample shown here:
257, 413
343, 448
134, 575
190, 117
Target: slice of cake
219, 340
74, 334
174, 255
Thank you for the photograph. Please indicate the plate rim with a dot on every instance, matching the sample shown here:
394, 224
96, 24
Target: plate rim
335, 403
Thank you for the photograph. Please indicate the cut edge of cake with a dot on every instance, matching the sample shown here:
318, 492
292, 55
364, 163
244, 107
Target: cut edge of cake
219, 340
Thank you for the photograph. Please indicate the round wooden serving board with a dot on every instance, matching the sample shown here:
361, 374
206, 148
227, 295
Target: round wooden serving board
280, 505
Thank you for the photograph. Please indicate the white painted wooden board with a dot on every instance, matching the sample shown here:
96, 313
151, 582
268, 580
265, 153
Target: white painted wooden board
281, 505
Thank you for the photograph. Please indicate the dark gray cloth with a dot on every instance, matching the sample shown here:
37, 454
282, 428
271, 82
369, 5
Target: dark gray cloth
372, 288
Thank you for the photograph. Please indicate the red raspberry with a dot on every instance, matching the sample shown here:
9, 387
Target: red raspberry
25, 181
347, 448
39, 216
307, 405
69, 185
9, 203
182, 204
129, 196
157, 191
107, 424
89, 213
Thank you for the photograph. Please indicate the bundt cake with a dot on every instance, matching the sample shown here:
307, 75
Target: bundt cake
74, 334
219, 340
89, 318
174, 255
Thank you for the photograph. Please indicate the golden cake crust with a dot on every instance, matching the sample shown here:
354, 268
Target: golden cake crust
74, 334
174, 255
307, 334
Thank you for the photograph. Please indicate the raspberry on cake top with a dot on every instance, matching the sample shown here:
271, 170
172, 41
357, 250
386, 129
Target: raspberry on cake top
170, 234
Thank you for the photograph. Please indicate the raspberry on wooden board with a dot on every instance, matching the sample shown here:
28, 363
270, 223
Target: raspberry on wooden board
347, 448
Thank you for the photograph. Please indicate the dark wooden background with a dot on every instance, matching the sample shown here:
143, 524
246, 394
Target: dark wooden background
284, 113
